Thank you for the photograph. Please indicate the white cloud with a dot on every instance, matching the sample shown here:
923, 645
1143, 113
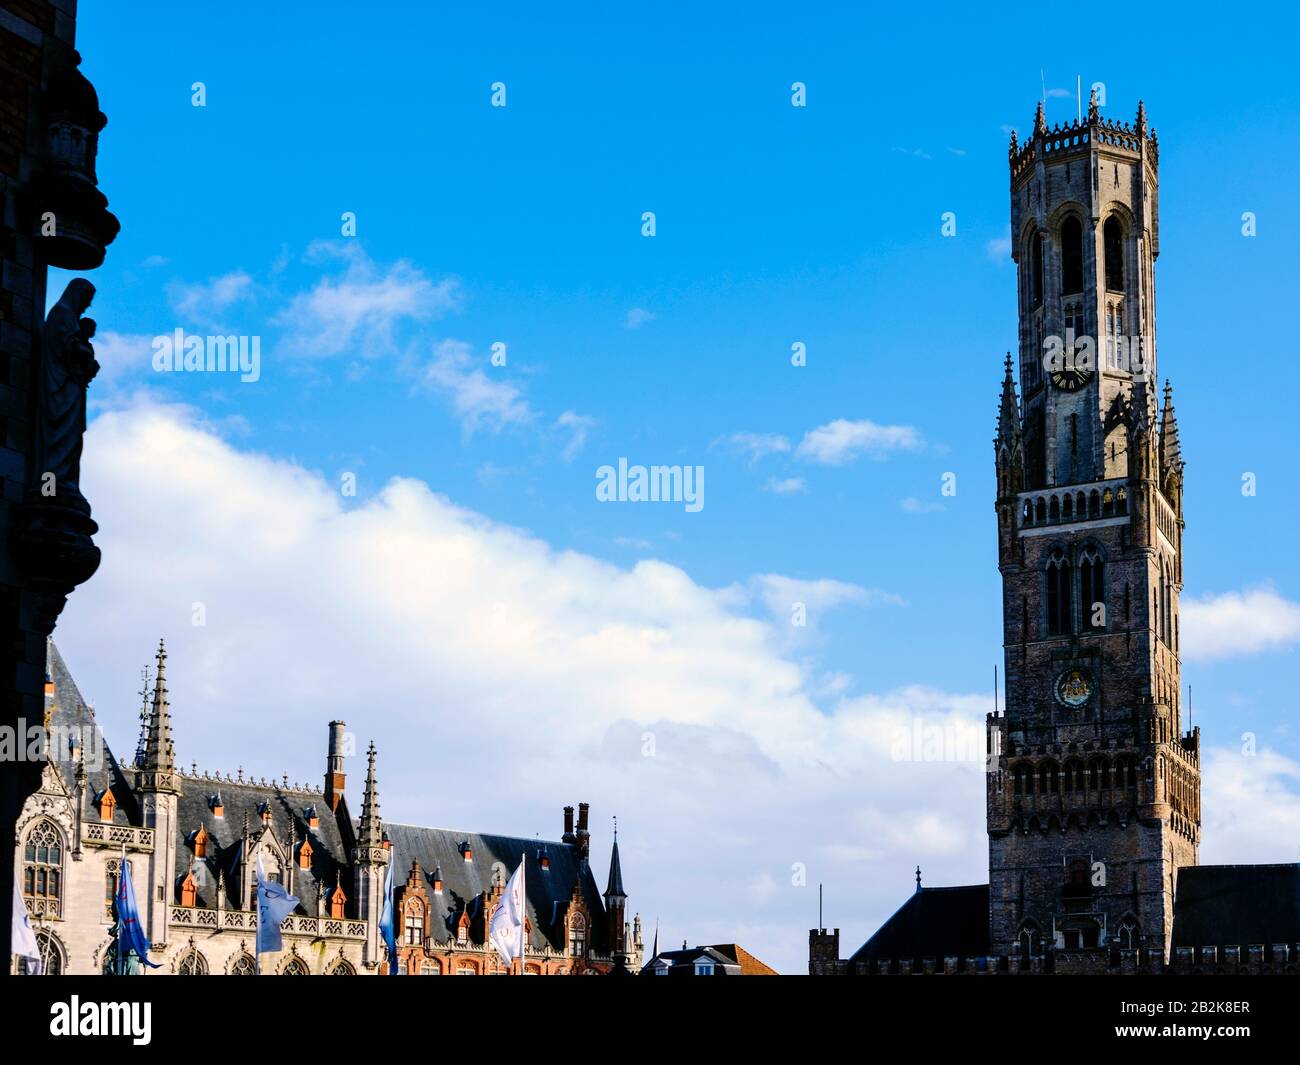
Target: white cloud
480, 401
578, 426
1250, 805
841, 441
207, 303
756, 445
120, 354
638, 316
785, 486
1236, 624
999, 250
502, 678
360, 312
912, 505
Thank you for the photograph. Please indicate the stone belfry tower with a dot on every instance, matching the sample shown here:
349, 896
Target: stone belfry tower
1093, 787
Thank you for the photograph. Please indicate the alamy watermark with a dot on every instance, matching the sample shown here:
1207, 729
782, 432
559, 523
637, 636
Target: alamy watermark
180, 353
20, 742
651, 484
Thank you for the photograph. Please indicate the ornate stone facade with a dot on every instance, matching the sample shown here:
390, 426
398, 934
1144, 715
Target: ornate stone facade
194, 840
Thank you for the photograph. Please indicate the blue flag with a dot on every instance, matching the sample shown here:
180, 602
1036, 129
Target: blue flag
386, 922
274, 904
130, 932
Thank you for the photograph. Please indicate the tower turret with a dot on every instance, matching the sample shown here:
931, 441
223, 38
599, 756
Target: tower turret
616, 901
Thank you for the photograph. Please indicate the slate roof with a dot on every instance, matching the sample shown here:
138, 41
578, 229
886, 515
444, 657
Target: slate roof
936, 922
1237, 905
70, 711
329, 854
729, 959
549, 890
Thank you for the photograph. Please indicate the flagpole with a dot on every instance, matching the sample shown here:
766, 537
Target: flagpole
523, 907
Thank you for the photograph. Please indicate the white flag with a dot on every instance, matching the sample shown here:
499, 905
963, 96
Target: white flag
506, 932
22, 938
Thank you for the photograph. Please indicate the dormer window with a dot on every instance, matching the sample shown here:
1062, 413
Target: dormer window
466, 851
337, 899
189, 890
216, 805
107, 804
704, 967
462, 930
313, 818
543, 859
264, 812
199, 841
385, 842
304, 854
437, 880
578, 936
661, 968
414, 926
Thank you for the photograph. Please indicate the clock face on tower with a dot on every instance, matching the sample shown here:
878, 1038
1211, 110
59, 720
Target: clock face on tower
1071, 379
1074, 687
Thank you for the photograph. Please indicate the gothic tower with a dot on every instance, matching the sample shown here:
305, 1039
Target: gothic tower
1093, 787
158, 785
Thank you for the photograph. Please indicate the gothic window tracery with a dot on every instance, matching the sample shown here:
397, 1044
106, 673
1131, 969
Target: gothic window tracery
192, 964
1058, 594
43, 864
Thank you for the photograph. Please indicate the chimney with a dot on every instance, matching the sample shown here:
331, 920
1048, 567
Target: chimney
584, 837
568, 825
334, 775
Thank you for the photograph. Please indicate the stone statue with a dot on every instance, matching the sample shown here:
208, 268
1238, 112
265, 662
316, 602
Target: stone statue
68, 367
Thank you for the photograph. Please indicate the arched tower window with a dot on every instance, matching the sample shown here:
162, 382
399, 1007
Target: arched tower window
1071, 256
1058, 595
1112, 235
1036, 269
243, 966
1092, 588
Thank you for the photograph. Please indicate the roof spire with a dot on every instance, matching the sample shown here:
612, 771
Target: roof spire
370, 834
615, 886
918, 878
1171, 453
1040, 121
1141, 125
1008, 407
158, 769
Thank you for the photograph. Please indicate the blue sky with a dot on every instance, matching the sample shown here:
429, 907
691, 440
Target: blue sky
775, 225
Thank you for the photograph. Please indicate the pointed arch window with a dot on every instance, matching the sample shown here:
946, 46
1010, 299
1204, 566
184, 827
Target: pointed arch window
1112, 236
1092, 588
1071, 256
1059, 619
43, 867
243, 966
1036, 269
192, 964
